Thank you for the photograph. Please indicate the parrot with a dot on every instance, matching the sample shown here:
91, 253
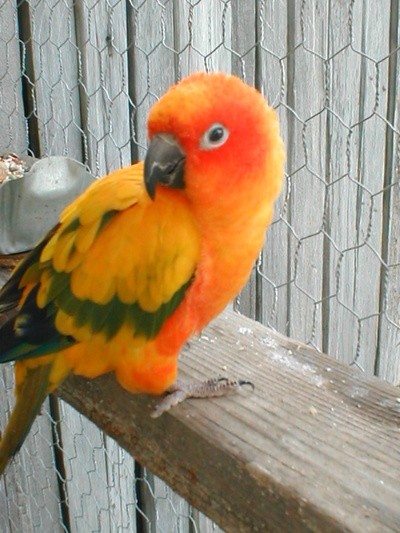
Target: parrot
146, 256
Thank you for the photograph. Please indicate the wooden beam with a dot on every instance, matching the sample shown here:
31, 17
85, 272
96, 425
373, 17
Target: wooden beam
314, 448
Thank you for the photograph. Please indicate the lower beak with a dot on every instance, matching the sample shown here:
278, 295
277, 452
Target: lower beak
164, 164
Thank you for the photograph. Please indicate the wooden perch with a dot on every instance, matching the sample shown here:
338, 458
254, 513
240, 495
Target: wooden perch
314, 448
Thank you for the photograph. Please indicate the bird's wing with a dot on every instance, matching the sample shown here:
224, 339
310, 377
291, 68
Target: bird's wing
116, 258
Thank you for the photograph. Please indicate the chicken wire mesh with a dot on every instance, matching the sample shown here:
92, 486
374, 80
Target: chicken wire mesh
77, 78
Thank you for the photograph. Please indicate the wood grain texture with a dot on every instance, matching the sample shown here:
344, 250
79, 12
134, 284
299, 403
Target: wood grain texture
13, 134
272, 64
313, 448
101, 36
388, 356
355, 174
55, 77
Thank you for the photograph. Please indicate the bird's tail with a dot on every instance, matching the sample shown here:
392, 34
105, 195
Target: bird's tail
31, 394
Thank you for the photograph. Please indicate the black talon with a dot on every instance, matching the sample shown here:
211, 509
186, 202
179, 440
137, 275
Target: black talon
246, 382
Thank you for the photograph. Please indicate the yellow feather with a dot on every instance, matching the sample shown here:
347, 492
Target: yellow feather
62, 251
73, 261
102, 293
79, 284
85, 236
127, 289
64, 323
48, 251
59, 371
45, 283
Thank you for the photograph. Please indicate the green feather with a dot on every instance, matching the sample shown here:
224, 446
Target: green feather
110, 317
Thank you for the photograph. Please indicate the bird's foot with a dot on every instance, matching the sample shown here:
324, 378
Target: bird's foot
181, 390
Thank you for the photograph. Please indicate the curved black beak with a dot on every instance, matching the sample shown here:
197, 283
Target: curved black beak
164, 163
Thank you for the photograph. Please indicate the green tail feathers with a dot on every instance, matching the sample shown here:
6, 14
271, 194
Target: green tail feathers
30, 397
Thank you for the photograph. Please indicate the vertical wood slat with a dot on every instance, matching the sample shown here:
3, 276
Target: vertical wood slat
272, 29
388, 366
243, 44
155, 45
307, 141
55, 71
356, 223
152, 60
55, 64
203, 40
103, 75
13, 135
371, 175
29, 492
203, 36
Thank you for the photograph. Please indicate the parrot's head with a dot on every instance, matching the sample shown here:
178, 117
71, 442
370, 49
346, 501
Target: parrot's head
215, 138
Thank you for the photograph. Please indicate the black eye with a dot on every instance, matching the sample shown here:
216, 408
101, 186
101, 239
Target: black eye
215, 136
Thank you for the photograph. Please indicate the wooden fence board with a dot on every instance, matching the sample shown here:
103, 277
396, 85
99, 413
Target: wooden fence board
13, 135
204, 40
388, 365
55, 67
272, 20
307, 135
202, 36
28, 493
244, 45
345, 67
355, 218
102, 41
152, 61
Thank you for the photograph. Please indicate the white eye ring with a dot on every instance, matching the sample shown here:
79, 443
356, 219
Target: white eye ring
214, 137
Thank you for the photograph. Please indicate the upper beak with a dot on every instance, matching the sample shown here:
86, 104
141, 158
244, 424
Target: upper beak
164, 163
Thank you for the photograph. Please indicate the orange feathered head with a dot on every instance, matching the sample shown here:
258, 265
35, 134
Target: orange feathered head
214, 137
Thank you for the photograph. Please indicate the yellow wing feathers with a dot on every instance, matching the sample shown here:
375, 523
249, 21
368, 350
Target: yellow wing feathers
114, 243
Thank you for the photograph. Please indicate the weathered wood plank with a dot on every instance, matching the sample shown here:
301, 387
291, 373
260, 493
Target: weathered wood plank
55, 67
388, 360
101, 29
151, 60
306, 165
12, 121
271, 75
356, 172
243, 45
202, 36
313, 448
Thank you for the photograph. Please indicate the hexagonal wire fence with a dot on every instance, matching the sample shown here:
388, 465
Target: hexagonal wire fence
77, 78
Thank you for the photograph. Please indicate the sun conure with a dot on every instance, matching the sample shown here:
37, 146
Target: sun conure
147, 255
